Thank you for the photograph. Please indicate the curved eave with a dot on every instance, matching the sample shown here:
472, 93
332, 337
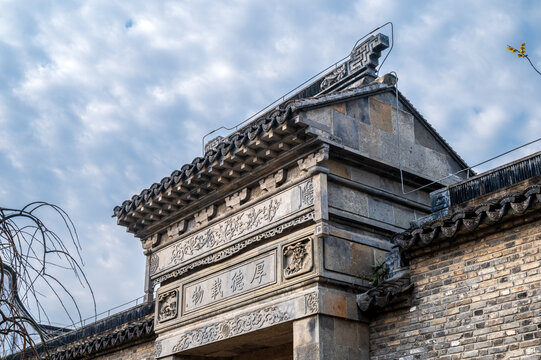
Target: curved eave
234, 157
468, 220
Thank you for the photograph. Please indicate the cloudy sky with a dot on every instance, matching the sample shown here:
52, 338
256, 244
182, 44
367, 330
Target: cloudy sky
100, 99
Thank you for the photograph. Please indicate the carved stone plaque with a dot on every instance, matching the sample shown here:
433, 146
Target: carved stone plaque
247, 276
233, 229
297, 258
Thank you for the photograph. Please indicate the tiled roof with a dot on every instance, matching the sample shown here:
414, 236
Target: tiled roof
262, 140
233, 156
466, 220
212, 170
113, 332
381, 295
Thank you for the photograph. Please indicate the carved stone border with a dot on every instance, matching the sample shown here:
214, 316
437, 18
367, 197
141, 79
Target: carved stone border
236, 248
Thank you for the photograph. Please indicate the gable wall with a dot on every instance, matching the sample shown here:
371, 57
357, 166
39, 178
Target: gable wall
369, 127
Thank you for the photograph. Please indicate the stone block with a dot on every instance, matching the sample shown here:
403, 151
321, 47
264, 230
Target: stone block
337, 255
333, 303
370, 144
358, 109
381, 115
381, 210
389, 147
362, 259
348, 199
322, 116
365, 177
403, 216
346, 128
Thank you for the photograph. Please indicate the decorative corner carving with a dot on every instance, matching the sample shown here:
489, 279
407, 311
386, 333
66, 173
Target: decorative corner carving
321, 229
177, 228
150, 241
363, 60
154, 263
366, 55
314, 159
273, 181
167, 305
203, 216
212, 144
237, 198
307, 193
157, 349
297, 258
335, 76
311, 303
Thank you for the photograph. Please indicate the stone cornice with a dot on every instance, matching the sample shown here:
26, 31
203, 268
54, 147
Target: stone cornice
467, 220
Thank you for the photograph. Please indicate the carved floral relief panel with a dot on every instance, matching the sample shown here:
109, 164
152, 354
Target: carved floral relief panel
297, 258
167, 305
233, 229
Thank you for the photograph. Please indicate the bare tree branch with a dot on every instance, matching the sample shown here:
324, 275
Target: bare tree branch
31, 259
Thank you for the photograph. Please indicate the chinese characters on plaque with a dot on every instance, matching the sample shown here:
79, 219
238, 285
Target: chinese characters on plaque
250, 275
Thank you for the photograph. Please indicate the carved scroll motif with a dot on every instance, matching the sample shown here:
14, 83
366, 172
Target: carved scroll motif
157, 349
177, 228
236, 228
311, 303
154, 263
239, 325
313, 159
233, 227
230, 251
238, 198
338, 74
273, 181
203, 216
307, 194
297, 258
150, 241
167, 305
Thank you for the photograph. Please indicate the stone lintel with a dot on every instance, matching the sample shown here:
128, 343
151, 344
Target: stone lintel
237, 323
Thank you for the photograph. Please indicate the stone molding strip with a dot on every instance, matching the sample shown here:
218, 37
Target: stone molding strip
470, 219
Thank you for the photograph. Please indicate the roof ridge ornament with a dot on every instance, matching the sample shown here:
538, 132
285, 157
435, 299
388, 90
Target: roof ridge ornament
362, 63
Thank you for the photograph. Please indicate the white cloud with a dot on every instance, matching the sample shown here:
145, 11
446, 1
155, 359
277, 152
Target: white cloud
101, 99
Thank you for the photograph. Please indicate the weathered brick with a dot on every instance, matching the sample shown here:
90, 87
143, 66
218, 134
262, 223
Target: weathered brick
475, 298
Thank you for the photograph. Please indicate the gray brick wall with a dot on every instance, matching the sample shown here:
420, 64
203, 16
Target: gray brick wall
477, 298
